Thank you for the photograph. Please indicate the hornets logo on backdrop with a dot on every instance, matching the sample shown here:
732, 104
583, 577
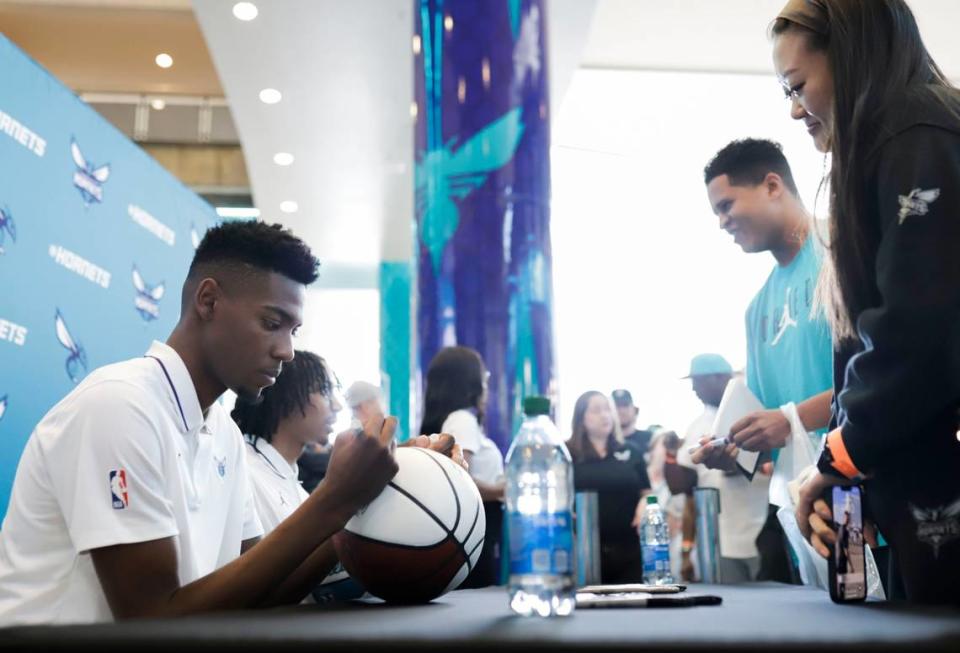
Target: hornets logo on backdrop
3, 405
76, 363
88, 178
147, 299
7, 228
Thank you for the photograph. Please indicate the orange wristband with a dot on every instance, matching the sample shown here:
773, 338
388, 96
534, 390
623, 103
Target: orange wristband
841, 457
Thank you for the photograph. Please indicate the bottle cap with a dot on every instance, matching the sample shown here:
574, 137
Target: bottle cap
651, 499
533, 406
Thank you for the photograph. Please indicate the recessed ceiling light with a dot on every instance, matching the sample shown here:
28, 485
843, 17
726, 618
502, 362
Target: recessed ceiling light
270, 96
289, 206
158, 104
414, 109
164, 60
283, 158
448, 23
416, 44
245, 10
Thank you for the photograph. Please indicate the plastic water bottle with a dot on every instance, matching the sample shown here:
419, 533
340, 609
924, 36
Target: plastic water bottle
655, 545
539, 496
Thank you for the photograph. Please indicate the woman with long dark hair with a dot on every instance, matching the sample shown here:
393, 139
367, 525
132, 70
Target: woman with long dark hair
454, 403
860, 78
617, 472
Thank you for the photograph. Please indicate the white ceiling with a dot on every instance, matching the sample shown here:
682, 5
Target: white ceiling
725, 35
346, 73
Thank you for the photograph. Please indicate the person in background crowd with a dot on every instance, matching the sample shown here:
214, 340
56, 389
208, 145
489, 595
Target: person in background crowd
858, 75
616, 470
365, 400
743, 503
627, 413
298, 411
312, 465
663, 451
454, 401
789, 350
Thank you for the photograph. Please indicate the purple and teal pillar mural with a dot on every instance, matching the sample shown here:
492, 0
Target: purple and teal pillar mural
482, 195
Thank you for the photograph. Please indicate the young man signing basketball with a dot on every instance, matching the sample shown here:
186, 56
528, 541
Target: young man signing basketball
132, 499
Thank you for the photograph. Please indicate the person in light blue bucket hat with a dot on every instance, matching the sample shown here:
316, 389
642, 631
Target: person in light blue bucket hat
709, 364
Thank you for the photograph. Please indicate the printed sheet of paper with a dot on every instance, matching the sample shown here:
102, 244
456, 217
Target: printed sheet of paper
737, 402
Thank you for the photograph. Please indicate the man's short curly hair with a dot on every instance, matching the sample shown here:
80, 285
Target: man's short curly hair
747, 162
253, 243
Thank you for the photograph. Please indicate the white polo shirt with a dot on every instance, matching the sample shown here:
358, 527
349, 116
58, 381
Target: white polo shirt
126, 457
743, 503
487, 463
277, 493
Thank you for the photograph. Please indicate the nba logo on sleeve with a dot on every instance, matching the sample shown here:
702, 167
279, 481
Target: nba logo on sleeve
118, 488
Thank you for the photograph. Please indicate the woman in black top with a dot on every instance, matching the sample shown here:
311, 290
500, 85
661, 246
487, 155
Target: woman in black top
858, 75
616, 471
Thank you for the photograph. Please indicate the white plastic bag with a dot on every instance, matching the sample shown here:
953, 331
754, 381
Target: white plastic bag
797, 460
797, 455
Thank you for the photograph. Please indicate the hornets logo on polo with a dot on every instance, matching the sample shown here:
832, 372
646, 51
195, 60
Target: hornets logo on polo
147, 299
88, 178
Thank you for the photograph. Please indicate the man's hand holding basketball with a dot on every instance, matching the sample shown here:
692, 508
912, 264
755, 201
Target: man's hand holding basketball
442, 443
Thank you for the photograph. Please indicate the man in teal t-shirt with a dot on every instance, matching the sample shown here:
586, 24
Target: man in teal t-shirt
789, 352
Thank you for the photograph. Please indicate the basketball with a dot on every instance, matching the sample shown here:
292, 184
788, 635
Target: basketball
421, 537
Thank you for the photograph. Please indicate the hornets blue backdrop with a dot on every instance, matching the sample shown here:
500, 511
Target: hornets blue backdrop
95, 241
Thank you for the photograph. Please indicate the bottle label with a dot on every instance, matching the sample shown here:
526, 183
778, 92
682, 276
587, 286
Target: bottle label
541, 543
656, 559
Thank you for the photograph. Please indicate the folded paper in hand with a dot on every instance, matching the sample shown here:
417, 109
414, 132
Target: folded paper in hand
737, 403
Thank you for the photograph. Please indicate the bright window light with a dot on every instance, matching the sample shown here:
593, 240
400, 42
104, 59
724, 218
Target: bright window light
644, 279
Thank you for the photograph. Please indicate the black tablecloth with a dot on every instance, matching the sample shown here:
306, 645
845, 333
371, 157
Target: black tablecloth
757, 617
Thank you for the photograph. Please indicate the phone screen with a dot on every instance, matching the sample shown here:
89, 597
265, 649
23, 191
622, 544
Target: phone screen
848, 554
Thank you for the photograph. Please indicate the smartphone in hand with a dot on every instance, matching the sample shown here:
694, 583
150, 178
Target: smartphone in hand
847, 564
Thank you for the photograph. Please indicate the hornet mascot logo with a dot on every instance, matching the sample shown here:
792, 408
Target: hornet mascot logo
937, 526
88, 178
147, 300
450, 173
76, 364
7, 228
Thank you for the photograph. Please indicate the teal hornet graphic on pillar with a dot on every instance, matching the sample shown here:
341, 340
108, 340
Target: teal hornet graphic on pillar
448, 173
